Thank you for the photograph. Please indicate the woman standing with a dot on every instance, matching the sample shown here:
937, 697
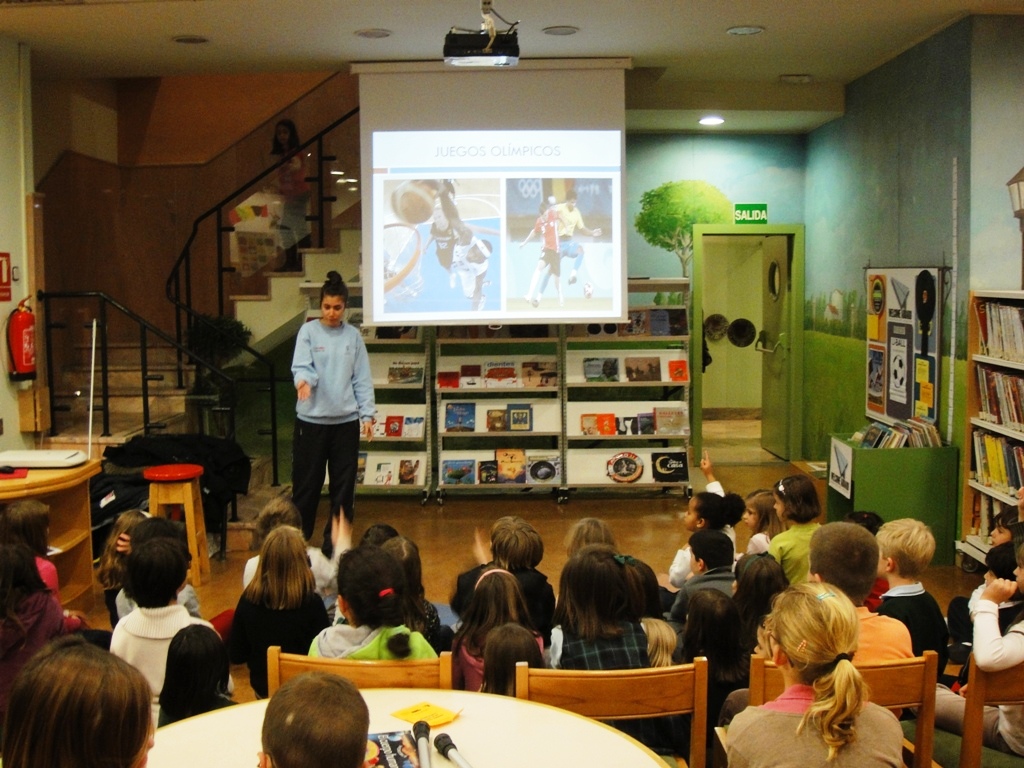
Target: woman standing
293, 187
331, 371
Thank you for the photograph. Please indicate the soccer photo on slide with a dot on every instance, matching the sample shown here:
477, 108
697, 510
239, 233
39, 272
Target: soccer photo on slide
559, 246
442, 245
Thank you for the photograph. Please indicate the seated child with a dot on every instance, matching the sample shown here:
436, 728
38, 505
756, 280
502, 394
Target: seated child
872, 521
712, 569
110, 572
506, 645
588, 530
156, 572
758, 580
797, 505
907, 547
823, 716
315, 720
159, 528
420, 614
371, 587
993, 651
759, 515
1001, 561
516, 547
196, 680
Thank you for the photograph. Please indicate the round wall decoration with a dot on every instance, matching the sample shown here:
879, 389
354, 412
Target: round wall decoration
625, 467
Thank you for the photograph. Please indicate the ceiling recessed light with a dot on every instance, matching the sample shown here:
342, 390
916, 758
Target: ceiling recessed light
711, 120
561, 30
797, 79
373, 33
190, 39
741, 31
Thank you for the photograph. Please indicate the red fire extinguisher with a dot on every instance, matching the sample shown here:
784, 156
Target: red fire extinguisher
21, 342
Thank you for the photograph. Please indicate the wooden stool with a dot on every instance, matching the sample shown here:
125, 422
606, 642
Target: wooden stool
178, 485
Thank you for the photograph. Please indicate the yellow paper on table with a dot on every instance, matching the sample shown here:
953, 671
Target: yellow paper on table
431, 714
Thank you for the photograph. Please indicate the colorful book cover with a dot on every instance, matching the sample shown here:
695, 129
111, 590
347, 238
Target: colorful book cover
539, 373
543, 468
413, 426
588, 424
406, 372
393, 425
520, 417
511, 465
458, 471
408, 469
669, 467
601, 368
385, 474
606, 424
636, 324
499, 373
391, 750
487, 471
460, 417
497, 419
670, 421
448, 379
643, 368
679, 370
470, 377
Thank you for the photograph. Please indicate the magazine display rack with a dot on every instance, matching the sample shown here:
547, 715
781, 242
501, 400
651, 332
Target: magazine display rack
994, 469
626, 393
499, 424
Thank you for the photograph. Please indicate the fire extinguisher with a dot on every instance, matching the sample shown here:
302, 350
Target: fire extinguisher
21, 343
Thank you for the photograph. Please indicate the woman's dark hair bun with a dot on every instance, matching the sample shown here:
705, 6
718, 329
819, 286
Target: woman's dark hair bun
334, 278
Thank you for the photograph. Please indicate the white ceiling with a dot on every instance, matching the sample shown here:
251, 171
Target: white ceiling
684, 62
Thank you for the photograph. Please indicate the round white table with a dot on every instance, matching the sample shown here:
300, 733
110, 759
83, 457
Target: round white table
490, 732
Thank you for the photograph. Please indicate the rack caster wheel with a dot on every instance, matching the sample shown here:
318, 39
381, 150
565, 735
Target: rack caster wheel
426, 497
440, 498
969, 564
563, 497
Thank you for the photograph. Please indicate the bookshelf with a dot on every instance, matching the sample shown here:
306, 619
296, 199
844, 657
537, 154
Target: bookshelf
994, 468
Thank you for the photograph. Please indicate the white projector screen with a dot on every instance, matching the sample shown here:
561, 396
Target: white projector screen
467, 197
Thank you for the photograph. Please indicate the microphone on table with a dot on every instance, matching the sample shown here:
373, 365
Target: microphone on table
421, 731
444, 745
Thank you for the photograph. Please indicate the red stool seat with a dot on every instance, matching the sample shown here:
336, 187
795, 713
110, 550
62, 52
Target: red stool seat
172, 473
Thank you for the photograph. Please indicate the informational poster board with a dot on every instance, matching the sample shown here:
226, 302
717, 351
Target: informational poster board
903, 333
840, 467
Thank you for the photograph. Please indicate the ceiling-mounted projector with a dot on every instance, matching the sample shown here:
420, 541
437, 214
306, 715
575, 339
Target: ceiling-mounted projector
481, 49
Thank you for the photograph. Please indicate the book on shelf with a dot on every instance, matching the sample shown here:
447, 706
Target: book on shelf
408, 470
874, 435
645, 423
470, 376
460, 417
543, 468
413, 426
511, 465
679, 370
361, 468
458, 471
671, 421
588, 424
669, 467
497, 419
627, 425
539, 373
643, 368
636, 323
448, 379
501, 373
520, 417
393, 425
487, 471
406, 372
668, 322
601, 368
606, 424
385, 473
396, 749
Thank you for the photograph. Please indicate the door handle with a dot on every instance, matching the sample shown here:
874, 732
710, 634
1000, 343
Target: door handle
762, 344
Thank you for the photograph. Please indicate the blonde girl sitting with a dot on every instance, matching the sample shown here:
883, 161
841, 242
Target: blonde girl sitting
823, 717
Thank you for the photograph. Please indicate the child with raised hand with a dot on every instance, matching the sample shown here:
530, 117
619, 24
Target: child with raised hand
797, 505
76, 706
315, 720
111, 570
993, 651
759, 578
716, 511
497, 599
1001, 561
515, 546
197, 676
506, 645
823, 716
764, 524
30, 615
420, 613
371, 586
279, 607
907, 547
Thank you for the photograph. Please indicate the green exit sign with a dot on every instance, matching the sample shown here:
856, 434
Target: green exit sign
750, 213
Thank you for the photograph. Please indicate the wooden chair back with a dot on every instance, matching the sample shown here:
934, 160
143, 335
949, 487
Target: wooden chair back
426, 673
626, 694
986, 689
900, 684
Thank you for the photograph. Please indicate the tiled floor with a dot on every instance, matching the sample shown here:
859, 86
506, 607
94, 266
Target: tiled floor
646, 525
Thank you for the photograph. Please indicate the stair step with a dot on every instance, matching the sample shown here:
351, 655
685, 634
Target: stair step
73, 434
125, 378
126, 353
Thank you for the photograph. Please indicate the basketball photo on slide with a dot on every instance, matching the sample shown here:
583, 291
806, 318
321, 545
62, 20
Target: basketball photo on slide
442, 245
